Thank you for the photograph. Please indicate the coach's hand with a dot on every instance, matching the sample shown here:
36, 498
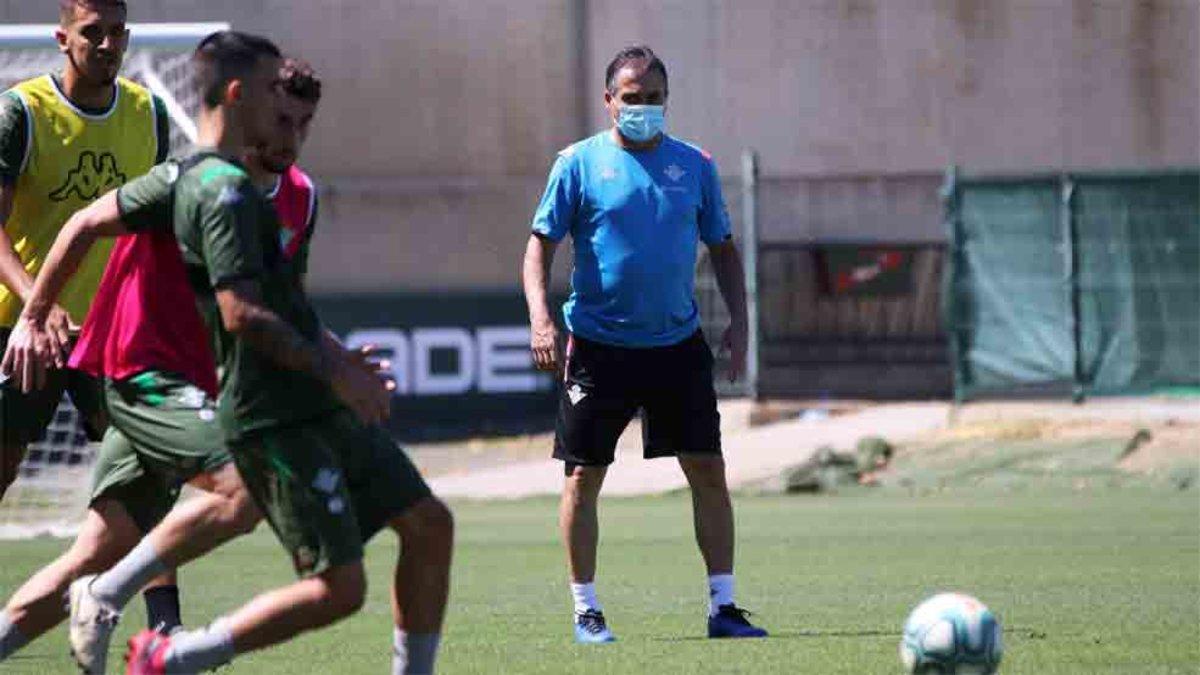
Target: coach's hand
31, 351
544, 345
361, 391
734, 343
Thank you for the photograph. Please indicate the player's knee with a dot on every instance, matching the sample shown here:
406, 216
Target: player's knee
243, 513
343, 591
428, 524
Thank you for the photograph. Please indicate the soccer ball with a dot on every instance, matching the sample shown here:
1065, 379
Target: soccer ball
951, 634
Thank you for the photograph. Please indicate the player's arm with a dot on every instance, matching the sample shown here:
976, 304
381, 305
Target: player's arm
551, 222
244, 314
14, 141
233, 255
34, 344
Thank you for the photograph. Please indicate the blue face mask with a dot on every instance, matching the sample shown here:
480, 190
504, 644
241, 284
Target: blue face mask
641, 123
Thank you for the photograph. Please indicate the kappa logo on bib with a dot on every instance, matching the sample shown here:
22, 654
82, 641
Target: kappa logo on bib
92, 176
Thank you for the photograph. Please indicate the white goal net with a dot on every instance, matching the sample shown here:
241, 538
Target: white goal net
51, 490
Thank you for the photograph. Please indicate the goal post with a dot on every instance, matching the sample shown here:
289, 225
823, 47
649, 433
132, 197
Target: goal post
51, 491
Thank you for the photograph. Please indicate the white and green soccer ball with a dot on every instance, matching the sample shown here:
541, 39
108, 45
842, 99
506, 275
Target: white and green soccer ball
951, 634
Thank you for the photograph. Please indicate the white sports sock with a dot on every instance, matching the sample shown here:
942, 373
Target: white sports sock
116, 586
414, 653
11, 638
585, 597
196, 651
720, 592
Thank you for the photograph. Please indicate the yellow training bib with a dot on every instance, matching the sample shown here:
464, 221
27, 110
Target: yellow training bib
71, 158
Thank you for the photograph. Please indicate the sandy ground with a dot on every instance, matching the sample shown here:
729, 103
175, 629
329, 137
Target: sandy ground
762, 440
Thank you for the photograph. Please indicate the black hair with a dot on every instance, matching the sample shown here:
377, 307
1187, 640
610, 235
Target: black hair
634, 54
297, 78
225, 56
66, 8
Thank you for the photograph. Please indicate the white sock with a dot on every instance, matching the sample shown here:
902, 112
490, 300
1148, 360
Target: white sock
11, 638
585, 597
116, 586
196, 651
414, 653
720, 592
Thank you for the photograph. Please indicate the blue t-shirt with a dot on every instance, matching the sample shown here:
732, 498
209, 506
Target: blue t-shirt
635, 218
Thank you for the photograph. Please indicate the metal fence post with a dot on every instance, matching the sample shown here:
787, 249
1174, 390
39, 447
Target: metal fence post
1066, 214
750, 263
951, 312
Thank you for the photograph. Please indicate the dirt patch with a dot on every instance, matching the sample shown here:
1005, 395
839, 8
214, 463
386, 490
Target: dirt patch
1049, 447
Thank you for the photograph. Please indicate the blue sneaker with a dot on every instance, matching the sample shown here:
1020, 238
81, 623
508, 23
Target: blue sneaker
590, 628
730, 622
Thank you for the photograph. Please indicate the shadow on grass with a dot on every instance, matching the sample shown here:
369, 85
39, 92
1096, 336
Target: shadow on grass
1013, 632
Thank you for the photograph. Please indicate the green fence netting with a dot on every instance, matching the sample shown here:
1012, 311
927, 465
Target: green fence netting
1081, 283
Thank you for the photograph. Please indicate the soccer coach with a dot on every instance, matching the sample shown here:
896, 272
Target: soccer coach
635, 201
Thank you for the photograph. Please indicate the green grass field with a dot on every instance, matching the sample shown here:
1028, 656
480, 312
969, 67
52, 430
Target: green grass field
1104, 581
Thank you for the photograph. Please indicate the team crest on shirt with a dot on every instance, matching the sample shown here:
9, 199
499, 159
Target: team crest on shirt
327, 480
608, 173
675, 172
229, 196
576, 394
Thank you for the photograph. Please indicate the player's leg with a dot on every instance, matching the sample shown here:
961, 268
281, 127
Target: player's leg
421, 585
388, 491
598, 399
172, 431
11, 455
24, 417
107, 533
189, 531
680, 417
296, 478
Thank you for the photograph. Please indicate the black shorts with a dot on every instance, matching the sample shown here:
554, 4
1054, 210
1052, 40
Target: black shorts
25, 417
604, 386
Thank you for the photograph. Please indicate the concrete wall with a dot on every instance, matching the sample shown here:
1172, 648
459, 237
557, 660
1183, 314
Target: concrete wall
442, 116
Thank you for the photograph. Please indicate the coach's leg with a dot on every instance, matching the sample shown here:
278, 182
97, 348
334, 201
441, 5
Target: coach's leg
422, 584
108, 533
579, 522
712, 511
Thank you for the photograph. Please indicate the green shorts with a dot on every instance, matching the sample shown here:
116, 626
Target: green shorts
164, 432
327, 486
24, 417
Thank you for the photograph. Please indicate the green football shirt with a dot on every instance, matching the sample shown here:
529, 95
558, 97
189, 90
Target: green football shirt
228, 232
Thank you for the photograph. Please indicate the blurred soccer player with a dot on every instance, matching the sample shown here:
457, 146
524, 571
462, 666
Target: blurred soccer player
65, 139
145, 338
299, 412
135, 328
634, 201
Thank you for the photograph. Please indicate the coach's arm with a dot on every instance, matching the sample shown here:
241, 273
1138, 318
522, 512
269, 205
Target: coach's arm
731, 279
535, 275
